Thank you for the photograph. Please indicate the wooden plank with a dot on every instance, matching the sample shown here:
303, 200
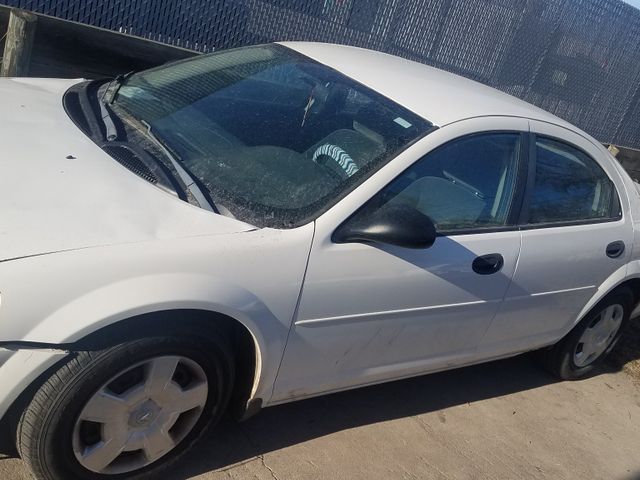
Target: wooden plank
18, 44
73, 50
630, 161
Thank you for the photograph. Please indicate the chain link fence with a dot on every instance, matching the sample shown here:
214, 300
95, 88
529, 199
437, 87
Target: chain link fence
579, 59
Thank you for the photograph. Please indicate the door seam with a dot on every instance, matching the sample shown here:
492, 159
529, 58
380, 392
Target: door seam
294, 316
504, 296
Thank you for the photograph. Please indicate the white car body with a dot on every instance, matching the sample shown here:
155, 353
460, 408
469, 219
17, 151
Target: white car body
85, 244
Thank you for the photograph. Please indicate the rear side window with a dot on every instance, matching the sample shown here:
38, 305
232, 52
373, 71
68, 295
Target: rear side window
570, 186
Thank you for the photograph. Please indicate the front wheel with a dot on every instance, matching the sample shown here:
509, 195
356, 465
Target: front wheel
592, 339
125, 412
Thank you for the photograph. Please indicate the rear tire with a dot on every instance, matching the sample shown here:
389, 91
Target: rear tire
146, 384
588, 344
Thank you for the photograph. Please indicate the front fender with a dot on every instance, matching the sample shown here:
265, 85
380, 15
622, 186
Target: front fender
142, 295
253, 277
19, 368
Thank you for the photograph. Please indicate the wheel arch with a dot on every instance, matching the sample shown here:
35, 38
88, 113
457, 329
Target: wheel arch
146, 299
245, 347
624, 277
206, 323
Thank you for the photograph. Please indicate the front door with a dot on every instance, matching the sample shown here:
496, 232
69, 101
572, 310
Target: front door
372, 312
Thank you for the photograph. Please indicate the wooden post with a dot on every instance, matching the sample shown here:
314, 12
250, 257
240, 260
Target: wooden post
18, 44
613, 150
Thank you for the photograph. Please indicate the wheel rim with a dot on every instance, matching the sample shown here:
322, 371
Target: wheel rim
140, 415
599, 335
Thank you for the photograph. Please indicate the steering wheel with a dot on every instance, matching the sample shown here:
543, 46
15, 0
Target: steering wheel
335, 159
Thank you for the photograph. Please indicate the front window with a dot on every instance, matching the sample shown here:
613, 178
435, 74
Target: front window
466, 184
275, 137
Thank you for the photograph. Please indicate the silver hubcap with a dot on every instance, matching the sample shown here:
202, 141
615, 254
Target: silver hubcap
140, 415
597, 338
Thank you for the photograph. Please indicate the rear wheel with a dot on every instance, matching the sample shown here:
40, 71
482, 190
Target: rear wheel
127, 411
592, 339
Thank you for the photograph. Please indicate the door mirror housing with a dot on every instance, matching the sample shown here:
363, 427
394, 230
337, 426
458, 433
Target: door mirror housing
399, 225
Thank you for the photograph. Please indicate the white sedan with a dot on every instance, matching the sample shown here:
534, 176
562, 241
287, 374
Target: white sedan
271, 223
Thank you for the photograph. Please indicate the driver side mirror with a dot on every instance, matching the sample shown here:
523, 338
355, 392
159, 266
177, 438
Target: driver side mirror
400, 225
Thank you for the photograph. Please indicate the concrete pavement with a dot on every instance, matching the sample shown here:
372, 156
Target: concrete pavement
503, 420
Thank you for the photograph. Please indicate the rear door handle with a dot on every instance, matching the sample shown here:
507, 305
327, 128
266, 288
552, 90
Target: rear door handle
488, 264
615, 249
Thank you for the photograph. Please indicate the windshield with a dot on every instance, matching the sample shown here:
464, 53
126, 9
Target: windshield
275, 137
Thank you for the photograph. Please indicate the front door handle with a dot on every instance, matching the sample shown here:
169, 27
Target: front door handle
488, 264
615, 249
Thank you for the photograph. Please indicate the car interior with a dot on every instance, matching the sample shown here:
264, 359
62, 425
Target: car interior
468, 183
289, 129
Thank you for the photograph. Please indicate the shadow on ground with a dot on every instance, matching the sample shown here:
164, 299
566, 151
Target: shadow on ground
626, 355
282, 426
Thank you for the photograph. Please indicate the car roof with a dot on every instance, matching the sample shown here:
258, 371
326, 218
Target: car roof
438, 96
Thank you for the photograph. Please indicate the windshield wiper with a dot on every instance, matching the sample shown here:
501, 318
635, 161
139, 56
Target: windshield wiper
191, 182
112, 90
107, 98
111, 132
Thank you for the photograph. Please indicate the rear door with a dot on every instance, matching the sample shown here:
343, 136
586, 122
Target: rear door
576, 233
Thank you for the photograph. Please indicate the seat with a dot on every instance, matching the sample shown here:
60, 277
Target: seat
358, 148
446, 203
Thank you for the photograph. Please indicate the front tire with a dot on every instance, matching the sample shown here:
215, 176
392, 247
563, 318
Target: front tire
128, 411
588, 344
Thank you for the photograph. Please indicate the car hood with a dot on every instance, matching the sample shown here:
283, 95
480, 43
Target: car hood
59, 191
